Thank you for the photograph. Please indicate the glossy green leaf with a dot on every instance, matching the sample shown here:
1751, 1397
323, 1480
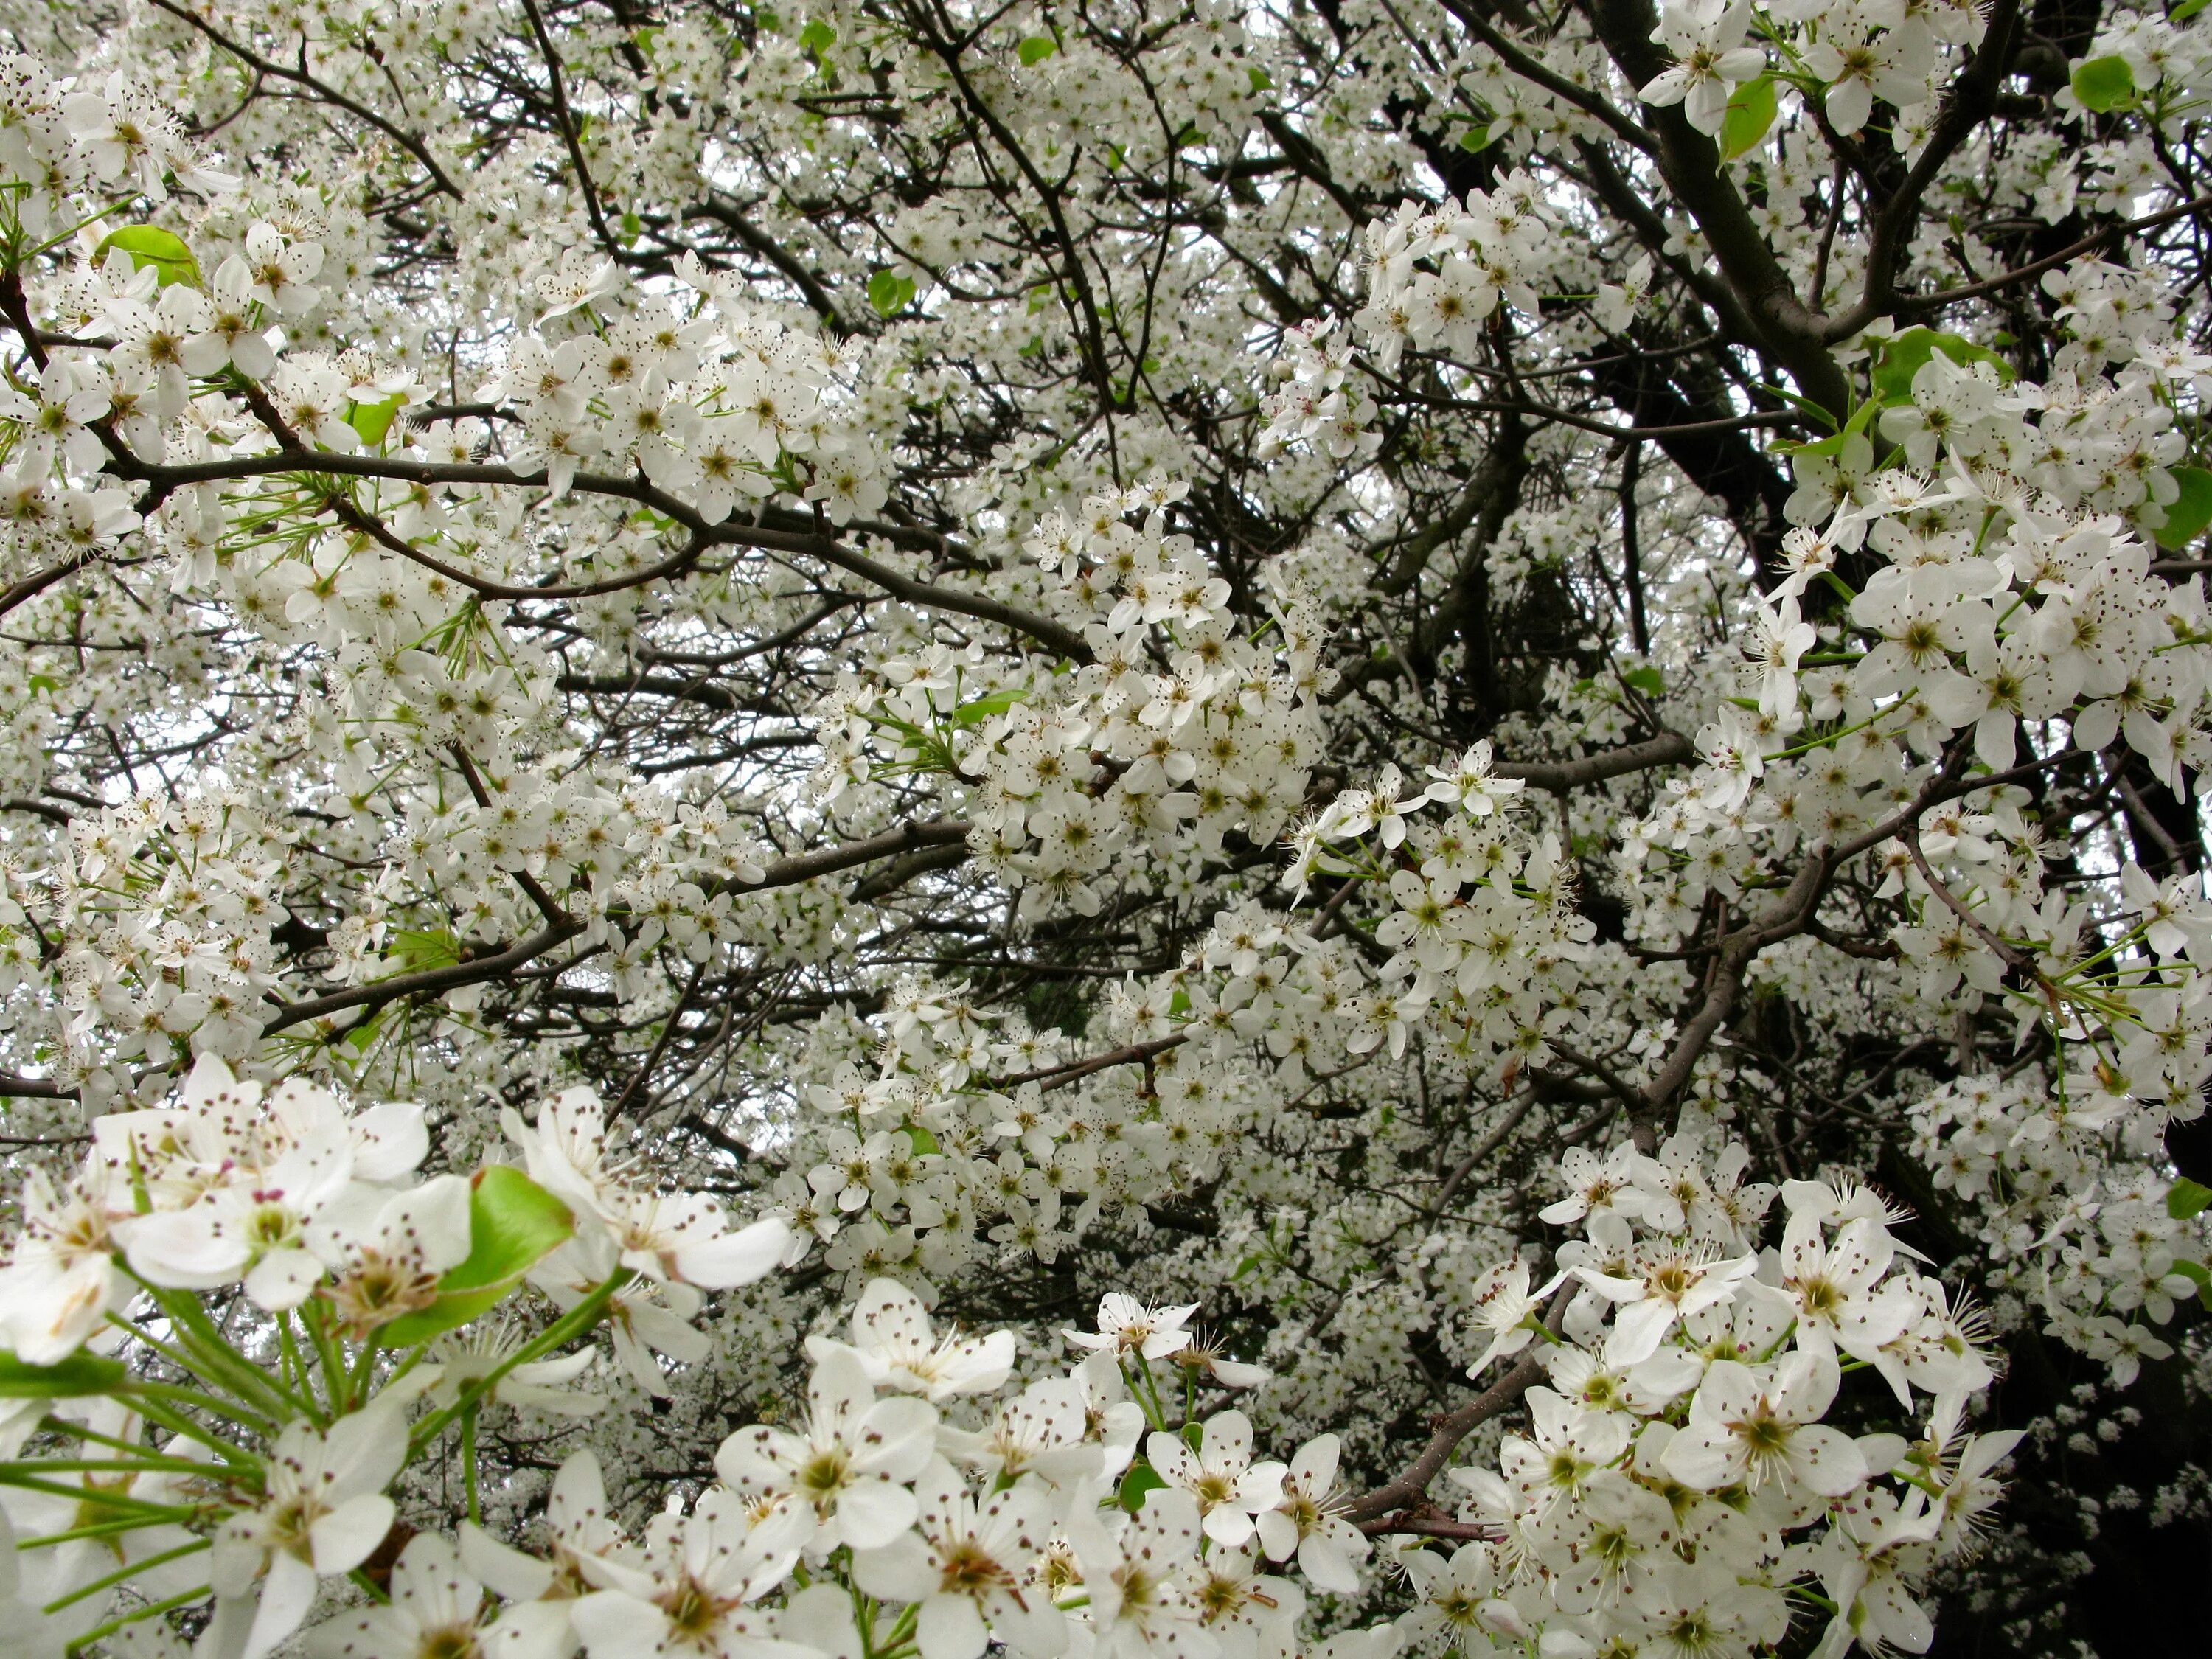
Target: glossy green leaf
2104, 84
920, 1139
418, 949
1750, 112
80, 1374
514, 1225
362, 1034
1903, 356
2185, 10
1646, 680
818, 37
1035, 50
1141, 1479
1263, 82
890, 293
372, 421
2186, 1198
2187, 513
1835, 442
1475, 140
2195, 1273
151, 248
979, 709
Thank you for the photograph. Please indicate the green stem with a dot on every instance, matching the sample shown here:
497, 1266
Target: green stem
182, 1360
288, 1348
153, 1413
97, 1529
469, 1462
184, 1599
358, 1379
217, 1358
232, 1409
579, 1319
129, 1571
93, 1495
119, 203
78, 1432
329, 1356
151, 1464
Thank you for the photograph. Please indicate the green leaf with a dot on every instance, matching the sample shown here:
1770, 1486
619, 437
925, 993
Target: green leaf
1142, 1478
514, 1225
1804, 405
920, 1139
2185, 10
2186, 515
2104, 84
1646, 680
1475, 140
150, 247
1035, 50
362, 1034
1903, 355
890, 293
818, 37
80, 1374
1750, 112
372, 421
2195, 1273
976, 711
1263, 82
421, 948
2185, 1198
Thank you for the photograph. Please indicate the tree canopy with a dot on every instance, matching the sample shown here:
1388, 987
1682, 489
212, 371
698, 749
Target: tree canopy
1154, 829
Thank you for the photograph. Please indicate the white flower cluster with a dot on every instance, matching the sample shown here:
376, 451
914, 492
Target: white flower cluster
1858, 51
172, 904
60, 137
1086, 1512
287, 1194
714, 402
169, 905
2169, 63
1435, 276
915, 1159
1484, 932
1199, 84
1055, 1524
1678, 1476
1312, 404
1180, 730
1965, 631
2084, 1238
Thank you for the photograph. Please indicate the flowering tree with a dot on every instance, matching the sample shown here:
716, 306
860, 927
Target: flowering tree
1183, 831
